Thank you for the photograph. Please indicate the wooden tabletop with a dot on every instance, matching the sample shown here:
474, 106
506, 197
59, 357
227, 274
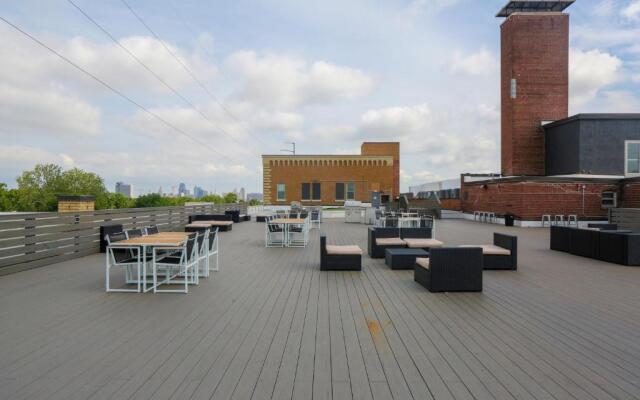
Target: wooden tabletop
207, 224
157, 239
287, 221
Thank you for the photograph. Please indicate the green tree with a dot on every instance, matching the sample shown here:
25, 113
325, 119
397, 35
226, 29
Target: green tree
78, 182
230, 198
7, 198
152, 200
212, 198
118, 200
254, 202
37, 189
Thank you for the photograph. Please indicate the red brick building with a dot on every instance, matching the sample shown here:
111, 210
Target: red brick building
551, 163
333, 179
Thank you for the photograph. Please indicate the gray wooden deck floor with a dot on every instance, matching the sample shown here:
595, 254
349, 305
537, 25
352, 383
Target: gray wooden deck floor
271, 325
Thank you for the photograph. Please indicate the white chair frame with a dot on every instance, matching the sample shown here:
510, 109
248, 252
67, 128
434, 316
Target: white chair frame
214, 251
111, 262
271, 238
185, 265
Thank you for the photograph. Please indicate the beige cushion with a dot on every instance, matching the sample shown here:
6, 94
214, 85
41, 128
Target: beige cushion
343, 250
221, 223
390, 242
423, 243
492, 249
423, 262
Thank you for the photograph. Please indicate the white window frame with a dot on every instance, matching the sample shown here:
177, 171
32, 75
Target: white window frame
284, 191
626, 157
346, 190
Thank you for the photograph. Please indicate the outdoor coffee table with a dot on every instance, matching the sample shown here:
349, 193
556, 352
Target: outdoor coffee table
403, 258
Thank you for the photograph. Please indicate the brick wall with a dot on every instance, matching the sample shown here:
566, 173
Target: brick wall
630, 194
529, 200
535, 52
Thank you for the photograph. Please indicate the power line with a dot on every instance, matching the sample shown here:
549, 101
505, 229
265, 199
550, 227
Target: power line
152, 72
188, 70
111, 88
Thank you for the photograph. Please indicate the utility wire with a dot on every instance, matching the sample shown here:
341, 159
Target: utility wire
114, 90
152, 72
191, 74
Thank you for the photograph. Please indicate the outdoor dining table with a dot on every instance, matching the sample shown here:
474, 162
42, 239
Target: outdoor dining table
160, 239
287, 222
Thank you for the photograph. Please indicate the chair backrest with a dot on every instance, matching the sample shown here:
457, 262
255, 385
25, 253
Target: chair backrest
315, 215
119, 255
386, 232
274, 227
293, 215
203, 242
391, 222
415, 233
213, 234
152, 230
133, 233
304, 215
190, 247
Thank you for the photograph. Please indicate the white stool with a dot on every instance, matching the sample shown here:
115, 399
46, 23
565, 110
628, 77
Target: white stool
492, 217
547, 218
476, 215
558, 219
572, 218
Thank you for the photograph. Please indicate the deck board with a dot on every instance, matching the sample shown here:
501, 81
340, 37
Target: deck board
270, 324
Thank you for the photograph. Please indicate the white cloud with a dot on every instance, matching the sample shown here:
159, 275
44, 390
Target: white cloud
632, 11
419, 7
282, 81
396, 121
590, 71
25, 156
46, 112
482, 62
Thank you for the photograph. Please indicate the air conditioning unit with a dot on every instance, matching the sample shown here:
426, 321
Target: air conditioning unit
609, 200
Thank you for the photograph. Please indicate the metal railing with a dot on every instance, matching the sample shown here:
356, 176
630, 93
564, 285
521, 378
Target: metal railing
31, 240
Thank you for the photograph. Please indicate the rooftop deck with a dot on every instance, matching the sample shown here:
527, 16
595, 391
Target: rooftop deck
271, 325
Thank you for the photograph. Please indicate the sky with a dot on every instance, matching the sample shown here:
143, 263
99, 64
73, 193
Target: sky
212, 85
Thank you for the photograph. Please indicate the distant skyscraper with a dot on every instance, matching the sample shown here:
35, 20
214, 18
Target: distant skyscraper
182, 189
254, 196
242, 195
124, 189
198, 192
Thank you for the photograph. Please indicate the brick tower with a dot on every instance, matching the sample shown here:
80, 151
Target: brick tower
534, 80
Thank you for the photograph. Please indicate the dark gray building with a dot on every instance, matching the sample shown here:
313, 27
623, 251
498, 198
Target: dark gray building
594, 144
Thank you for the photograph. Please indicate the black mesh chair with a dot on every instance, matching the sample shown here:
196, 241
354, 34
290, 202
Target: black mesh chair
127, 257
180, 268
152, 230
134, 233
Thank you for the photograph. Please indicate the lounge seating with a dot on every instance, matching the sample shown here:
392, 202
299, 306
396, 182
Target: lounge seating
502, 254
450, 269
237, 217
616, 246
339, 258
382, 238
223, 221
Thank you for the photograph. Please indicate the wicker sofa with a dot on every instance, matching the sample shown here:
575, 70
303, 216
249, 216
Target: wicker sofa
615, 246
502, 254
226, 221
236, 217
450, 269
382, 238
339, 258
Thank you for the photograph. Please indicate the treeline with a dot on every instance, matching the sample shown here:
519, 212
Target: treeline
37, 190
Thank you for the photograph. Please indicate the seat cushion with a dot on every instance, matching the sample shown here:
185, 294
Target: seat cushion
390, 242
343, 250
423, 243
221, 223
423, 262
492, 249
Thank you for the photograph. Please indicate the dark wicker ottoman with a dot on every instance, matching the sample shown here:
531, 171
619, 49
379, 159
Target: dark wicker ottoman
261, 218
403, 258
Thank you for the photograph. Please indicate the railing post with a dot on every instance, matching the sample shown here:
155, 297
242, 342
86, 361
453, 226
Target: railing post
29, 234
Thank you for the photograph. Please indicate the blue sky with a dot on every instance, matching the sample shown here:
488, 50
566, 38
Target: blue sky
327, 75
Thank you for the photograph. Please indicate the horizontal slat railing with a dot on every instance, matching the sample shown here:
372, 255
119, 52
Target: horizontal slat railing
30, 240
626, 218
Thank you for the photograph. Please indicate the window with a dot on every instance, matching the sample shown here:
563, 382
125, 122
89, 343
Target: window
339, 191
306, 191
513, 88
281, 192
316, 191
632, 157
351, 191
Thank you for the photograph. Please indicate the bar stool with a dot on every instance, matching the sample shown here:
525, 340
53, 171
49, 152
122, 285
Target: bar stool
558, 219
476, 215
547, 218
572, 218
